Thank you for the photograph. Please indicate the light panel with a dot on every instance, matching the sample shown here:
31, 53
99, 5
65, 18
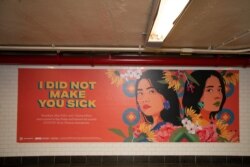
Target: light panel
168, 11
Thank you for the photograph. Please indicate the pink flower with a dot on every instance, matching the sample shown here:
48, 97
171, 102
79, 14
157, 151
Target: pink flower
190, 87
164, 133
136, 131
207, 134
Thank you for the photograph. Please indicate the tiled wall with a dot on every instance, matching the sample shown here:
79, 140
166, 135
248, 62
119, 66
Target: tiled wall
10, 148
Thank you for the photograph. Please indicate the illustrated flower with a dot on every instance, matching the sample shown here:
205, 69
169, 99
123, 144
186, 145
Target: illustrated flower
193, 121
207, 134
195, 118
206, 131
137, 73
164, 133
125, 76
191, 127
190, 87
143, 132
115, 77
186, 122
191, 114
173, 79
222, 130
131, 116
231, 77
131, 74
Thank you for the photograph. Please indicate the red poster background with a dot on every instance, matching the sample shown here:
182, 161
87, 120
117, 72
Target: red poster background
36, 124
110, 104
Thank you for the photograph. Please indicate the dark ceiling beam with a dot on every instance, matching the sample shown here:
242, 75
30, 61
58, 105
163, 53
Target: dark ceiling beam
123, 60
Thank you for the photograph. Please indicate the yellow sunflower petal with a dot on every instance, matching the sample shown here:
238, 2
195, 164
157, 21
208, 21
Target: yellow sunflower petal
195, 118
223, 130
231, 78
172, 82
115, 77
146, 129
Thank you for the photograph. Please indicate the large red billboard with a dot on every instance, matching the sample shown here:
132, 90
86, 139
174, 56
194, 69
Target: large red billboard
127, 105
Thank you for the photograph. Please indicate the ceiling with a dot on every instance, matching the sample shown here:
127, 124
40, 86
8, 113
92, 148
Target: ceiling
205, 26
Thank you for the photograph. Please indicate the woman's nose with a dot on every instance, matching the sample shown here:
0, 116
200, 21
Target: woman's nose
218, 95
217, 98
145, 98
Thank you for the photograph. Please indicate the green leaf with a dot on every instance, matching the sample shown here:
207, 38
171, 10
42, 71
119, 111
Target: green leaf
192, 137
162, 82
223, 72
116, 72
118, 132
128, 139
221, 139
177, 135
182, 133
130, 131
141, 138
191, 78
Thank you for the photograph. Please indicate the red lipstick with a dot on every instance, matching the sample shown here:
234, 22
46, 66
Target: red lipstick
145, 106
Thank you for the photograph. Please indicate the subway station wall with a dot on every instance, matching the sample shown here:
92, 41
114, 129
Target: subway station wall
11, 146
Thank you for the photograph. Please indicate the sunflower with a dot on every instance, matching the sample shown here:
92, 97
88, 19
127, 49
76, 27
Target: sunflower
231, 77
223, 131
115, 77
172, 79
145, 129
195, 118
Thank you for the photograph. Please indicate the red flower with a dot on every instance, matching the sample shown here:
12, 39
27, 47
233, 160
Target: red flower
164, 133
207, 134
136, 131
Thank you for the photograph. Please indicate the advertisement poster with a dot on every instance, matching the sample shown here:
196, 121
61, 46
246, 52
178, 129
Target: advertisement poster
127, 105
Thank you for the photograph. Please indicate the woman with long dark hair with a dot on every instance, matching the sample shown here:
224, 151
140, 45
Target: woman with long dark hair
208, 96
157, 103
203, 99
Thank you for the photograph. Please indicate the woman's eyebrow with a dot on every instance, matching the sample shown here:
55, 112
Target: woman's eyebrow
150, 87
211, 86
139, 89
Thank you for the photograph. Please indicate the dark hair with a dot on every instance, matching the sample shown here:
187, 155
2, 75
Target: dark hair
191, 99
172, 114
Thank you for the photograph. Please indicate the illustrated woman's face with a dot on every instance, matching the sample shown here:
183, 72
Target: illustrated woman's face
212, 95
149, 100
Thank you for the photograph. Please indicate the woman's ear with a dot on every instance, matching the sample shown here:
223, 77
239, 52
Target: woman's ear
162, 98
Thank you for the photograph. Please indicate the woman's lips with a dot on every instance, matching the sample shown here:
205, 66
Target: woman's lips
217, 103
145, 106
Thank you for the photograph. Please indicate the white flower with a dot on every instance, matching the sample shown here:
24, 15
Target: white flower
124, 76
130, 73
186, 122
191, 128
138, 74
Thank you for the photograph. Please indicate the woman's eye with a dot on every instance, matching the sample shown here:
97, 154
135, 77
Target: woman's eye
219, 90
151, 91
139, 93
210, 90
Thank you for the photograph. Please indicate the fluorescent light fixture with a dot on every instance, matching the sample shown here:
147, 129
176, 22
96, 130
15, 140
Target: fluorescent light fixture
168, 11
